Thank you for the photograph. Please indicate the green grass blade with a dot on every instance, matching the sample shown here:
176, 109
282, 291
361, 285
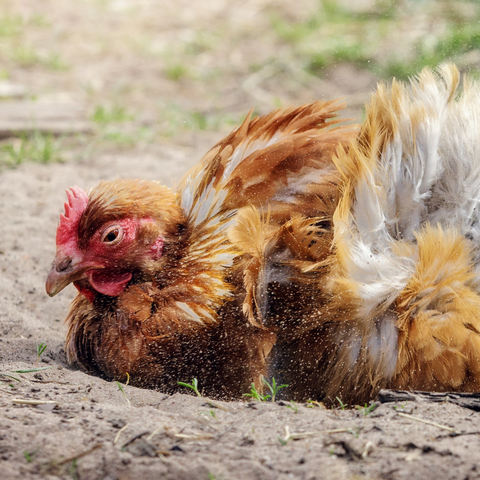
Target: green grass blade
10, 376
31, 370
123, 392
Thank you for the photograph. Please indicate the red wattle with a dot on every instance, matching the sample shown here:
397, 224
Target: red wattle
85, 291
108, 283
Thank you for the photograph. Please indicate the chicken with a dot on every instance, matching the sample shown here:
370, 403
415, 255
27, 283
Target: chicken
395, 303
162, 280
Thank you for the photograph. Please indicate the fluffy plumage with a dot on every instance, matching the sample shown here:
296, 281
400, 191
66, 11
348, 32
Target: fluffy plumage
397, 302
161, 274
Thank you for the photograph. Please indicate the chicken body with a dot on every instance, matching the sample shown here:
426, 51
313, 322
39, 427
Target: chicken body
396, 302
162, 279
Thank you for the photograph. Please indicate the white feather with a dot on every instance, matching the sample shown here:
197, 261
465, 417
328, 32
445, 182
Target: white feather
391, 199
382, 345
191, 313
246, 149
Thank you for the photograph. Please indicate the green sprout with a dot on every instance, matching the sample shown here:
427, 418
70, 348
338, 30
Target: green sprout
38, 147
256, 395
40, 349
210, 413
193, 386
367, 409
293, 406
282, 441
116, 114
273, 388
31, 370
123, 391
3, 374
29, 455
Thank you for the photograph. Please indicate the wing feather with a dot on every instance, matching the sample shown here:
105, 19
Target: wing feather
280, 162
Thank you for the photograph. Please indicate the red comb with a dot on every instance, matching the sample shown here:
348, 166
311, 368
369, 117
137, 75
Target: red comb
76, 205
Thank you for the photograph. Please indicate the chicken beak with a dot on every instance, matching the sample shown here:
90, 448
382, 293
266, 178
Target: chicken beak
65, 271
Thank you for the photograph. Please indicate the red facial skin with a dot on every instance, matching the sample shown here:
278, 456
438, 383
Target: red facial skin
101, 267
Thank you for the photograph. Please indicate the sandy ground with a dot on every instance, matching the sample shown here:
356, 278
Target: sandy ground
121, 52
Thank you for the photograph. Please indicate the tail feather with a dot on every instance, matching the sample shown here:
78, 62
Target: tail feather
389, 174
403, 228
439, 315
396, 299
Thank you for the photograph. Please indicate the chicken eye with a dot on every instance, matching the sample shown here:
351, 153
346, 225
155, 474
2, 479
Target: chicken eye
112, 236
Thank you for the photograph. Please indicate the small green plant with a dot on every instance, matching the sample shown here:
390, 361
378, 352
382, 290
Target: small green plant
274, 389
343, 406
40, 349
116, 114
174, 118
120, 138
367, 409
10, 25
13, 154
38, 147
210, 413
193, 386
119, 385
25, 56
176, 72
293, 406
73, 471
55, 62
314, 403
355, 431
44, 148
29, 455
456, 41
256, 395
123, 392
199, 120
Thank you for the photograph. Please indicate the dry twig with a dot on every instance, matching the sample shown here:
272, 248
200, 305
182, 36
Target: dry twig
218, 405
428, 422
299, 435
135, 437
155, 432
117, 436
197, 436
80, 455
32, 402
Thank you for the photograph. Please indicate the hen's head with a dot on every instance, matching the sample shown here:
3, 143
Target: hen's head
120, 230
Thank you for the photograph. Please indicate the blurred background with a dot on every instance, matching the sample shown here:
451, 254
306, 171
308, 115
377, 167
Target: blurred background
84, 76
